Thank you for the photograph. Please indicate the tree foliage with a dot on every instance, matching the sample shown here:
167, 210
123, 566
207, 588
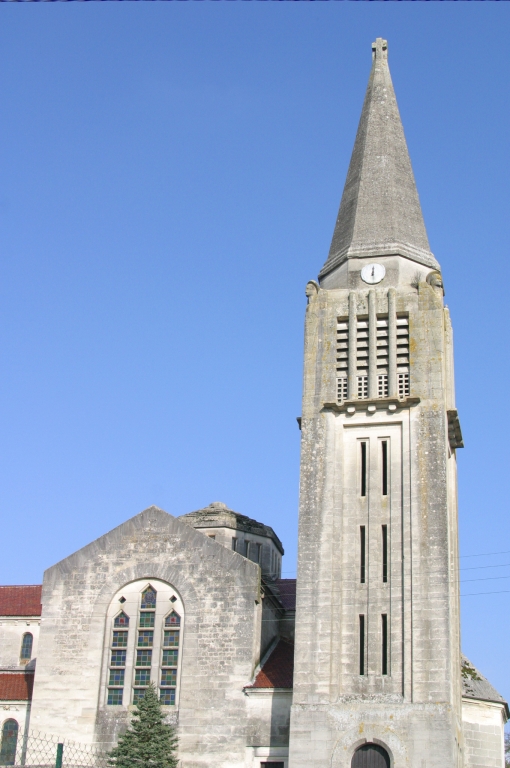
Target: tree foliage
149, 742
507, 750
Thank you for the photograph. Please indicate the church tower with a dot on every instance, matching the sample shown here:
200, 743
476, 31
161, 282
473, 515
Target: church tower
377, 659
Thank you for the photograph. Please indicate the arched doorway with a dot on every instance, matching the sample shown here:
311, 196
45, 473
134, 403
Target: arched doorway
370, 756
9, 742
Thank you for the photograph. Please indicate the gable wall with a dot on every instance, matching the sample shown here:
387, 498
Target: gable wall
221, 643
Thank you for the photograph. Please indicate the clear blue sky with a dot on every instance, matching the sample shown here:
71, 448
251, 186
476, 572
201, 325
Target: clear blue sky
170, 175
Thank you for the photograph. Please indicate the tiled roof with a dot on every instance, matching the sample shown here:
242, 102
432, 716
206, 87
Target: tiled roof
16, 686
287, 593
476, 686
278, 671
20, 600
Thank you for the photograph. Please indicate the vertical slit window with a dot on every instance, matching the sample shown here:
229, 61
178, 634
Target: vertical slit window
385, 553
169, 660
384, 467
145, 643
362, 644
363, 479
117, 665
362, 545
384, 637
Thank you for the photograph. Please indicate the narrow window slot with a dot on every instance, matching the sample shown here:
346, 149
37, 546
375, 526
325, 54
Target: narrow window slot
362, 544
384, 628
363, 469
384, 450
362, 644
385, 553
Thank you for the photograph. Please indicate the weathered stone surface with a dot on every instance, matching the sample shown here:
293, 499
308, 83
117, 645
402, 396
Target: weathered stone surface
220, 591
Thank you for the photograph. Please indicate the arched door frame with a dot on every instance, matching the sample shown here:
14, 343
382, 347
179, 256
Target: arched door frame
378, 743
349, 742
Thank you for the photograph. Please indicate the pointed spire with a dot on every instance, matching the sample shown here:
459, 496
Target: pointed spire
380, 213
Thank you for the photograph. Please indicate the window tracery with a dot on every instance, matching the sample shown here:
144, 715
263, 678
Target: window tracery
149, 653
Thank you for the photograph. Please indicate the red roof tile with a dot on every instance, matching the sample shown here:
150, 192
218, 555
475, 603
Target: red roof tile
278, 671
20, 601
287, 590
16, 686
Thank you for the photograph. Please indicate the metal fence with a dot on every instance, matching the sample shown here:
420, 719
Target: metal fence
40, 751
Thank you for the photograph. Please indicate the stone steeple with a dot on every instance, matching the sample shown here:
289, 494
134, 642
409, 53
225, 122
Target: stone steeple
380, 213
377, 663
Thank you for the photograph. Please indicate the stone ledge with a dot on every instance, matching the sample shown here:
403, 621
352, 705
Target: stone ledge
372, 405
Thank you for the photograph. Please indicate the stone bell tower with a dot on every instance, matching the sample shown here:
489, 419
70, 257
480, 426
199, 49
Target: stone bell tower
377, 660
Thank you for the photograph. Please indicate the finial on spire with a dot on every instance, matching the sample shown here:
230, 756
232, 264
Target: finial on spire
380, 49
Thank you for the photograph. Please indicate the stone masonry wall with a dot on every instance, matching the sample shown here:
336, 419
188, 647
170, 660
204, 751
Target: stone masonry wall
221, 644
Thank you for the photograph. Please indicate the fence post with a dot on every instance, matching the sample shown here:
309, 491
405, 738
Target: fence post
60, 753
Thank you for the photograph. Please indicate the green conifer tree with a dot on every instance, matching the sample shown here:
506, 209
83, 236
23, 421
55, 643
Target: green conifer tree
149, 742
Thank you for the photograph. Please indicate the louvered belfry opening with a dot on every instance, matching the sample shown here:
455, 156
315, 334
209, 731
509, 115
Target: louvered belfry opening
403, 355
383, 361
362, 357
342, 358
382, 356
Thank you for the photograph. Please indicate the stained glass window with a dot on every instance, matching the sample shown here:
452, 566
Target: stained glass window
122, 620
138, 694
171, 638
153, 652
115, 696
119, 640
118, 659
144, 658
117, 671
170, 658
9, 742
26, 647
167, 696
168, 677
142, 677
116, 677
145, 638
148, 598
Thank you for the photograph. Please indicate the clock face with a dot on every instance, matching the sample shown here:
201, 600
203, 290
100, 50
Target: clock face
373, 273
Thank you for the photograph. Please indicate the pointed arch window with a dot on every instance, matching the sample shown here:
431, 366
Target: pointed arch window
117, 660
26, 647
173, 620
149, 598
151, 650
